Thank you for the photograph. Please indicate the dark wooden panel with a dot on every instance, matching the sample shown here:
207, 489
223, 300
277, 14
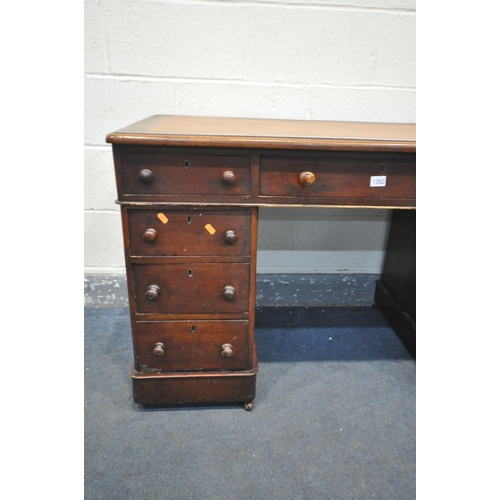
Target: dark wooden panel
185, 233
397, 317
395, 294
191, 288
212, 387
192, 345
400, 263
188, 174
336, 177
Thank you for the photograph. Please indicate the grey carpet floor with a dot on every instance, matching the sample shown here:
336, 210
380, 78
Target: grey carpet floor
334, 417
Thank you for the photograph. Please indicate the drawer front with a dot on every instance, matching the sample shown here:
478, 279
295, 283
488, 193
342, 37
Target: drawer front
192, 345
174, 174
191, 288
189, 233
337, 177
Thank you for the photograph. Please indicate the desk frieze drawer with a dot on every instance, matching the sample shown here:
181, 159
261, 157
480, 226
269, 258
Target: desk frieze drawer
337, 177
184, 174
191, 288
169, 346
189, 232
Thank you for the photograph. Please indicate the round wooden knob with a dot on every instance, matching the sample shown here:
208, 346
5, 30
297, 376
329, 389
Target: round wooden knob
229, 293
153, 292
150, 234
230, 237
227, 351
306, 178
159, 349
228, 178
146, 176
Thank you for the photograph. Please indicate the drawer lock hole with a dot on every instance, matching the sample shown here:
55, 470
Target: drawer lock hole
186, 164
193, 329
189, 220
190, 273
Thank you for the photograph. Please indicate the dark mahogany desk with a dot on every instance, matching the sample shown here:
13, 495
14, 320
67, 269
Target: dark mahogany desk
190, 189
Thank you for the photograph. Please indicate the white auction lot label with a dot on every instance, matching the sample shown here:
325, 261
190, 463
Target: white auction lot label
378, 180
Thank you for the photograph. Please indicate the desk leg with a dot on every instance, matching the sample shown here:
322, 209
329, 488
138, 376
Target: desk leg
395, 293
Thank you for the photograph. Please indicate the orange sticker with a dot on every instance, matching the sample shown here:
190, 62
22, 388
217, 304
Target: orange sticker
210, 228
162, 217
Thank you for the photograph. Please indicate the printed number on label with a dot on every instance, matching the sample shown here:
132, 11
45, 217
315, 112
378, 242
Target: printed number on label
378, 180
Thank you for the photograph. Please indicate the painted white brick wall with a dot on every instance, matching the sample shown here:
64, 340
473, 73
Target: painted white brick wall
297, 59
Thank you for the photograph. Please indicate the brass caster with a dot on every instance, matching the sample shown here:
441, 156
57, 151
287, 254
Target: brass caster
248, 406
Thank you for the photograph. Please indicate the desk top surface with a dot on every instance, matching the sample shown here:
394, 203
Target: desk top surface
266, 133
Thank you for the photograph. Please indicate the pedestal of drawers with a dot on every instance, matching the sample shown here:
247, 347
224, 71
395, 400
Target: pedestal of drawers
191, 276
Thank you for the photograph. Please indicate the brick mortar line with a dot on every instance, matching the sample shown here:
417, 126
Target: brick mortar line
306, 85
299, 5
101, 211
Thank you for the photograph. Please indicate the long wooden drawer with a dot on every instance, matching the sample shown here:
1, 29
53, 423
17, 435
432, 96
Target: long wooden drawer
189, 232
180, 174
337, 177
166, 346
182, 288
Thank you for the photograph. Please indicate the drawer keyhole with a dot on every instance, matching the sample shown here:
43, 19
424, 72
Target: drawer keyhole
190, 273
193, 329
186, 164
189, 220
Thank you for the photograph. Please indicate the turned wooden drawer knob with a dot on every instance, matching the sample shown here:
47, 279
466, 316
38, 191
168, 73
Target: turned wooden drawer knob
150, 234
153, 292
230, 237
146, 176
227, 351
228, 178
306, 178
229, 293
159, 349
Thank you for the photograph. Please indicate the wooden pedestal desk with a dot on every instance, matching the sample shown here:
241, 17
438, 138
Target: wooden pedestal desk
190, 189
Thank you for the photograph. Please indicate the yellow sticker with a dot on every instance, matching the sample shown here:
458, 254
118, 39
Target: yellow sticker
162, 217
210, 228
